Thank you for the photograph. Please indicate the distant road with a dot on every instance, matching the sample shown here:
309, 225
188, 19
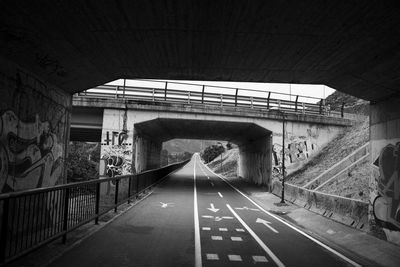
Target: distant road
195, 218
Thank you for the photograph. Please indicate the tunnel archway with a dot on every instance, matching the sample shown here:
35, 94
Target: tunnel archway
254, 143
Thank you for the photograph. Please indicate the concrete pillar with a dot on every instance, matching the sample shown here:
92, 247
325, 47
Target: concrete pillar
385, 159
147, 154
255, 161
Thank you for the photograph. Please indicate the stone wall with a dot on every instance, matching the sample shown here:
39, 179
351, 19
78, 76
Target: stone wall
385, 159
34, 130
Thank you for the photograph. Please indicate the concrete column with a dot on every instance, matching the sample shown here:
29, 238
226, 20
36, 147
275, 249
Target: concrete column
147, 154
255, 161
385, 159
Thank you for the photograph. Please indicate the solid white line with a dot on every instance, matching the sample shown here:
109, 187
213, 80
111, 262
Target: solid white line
219, 193
197, 243
255, 236
291, 226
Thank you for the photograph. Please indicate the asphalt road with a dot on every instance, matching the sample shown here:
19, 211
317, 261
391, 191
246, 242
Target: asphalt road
195, 218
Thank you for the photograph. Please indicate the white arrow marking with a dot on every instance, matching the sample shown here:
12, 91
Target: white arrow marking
213, 209
219, 193
266, 223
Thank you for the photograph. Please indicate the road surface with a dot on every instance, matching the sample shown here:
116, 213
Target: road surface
195, 218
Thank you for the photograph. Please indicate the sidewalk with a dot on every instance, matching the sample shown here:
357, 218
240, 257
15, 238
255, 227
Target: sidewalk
362, 247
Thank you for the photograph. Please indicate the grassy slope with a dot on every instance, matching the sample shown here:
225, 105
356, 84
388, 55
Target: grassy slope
353, 184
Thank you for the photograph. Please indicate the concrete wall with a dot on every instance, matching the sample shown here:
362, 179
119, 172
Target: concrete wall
302, 142
147, 154
34, 129
385, 158
345, 210
254, 161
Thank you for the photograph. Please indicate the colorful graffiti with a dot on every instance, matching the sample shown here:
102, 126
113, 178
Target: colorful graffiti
386, 205
30, 154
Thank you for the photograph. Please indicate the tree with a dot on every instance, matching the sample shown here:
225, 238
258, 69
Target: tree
82, 162
211, 152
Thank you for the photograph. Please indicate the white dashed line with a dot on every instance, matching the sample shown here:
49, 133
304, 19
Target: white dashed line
206, 228
236, 238
216, 237
223, 229
259, 259
255, 236
212, 257
227, 217
289, 225
234, 258
219, 193
212, 184
207, 216
239, 230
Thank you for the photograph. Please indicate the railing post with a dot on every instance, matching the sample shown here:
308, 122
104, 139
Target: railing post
165, 91
188, 97
153, 95
129, 188
279, 104
342, 110
320, 106
297, 99
237, 90
221, 101
97, 209
4, 230
269, 95
202, 95
116, 194
304, 108
137, 186
123, 92
116, 91
251, 101
66, 207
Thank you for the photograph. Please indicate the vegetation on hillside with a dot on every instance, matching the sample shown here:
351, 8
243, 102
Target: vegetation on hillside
83, 161
352, 103
211, 152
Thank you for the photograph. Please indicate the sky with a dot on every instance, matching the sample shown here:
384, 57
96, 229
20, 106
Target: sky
291, 90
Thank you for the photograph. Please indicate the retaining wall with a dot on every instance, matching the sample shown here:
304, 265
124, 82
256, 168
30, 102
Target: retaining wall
345, 210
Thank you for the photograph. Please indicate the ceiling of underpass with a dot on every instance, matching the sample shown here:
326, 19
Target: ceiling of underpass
168, 129
352, 46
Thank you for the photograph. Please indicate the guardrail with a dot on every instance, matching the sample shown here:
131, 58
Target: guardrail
33, 218
206, 95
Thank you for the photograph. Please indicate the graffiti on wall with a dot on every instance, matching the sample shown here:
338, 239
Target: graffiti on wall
386, 205
116, 154
295, 152
30, 154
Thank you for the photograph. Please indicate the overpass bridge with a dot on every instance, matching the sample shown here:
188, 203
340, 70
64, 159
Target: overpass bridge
132, 123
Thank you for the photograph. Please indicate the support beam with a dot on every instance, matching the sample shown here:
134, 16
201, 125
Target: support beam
255, 161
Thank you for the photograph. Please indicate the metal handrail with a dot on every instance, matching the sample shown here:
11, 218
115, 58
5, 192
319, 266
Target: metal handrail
166, 95
33, 218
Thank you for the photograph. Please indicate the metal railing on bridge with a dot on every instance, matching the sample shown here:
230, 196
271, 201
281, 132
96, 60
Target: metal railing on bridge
33, 218
195, 94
